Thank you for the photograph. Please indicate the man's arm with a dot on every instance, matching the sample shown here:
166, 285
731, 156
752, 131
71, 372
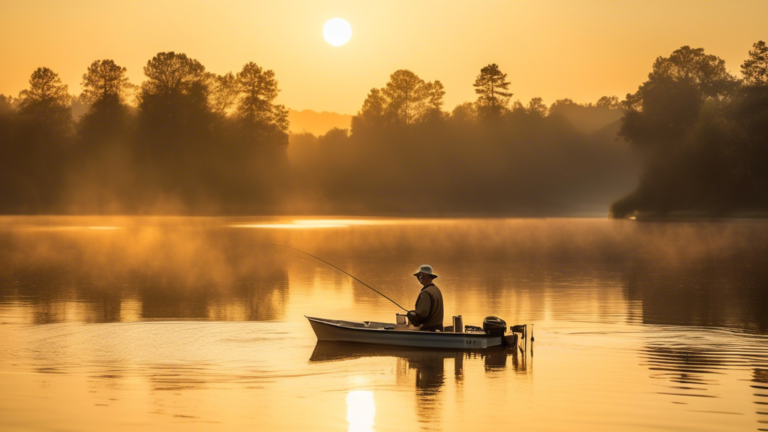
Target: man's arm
423, 306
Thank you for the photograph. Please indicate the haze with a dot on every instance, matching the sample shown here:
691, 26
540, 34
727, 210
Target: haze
554, 49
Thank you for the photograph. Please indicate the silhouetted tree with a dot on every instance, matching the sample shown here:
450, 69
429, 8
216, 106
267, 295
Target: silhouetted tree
668, 103
105, 80
406, 96
8, 155
105, 88
536, 106
102, 161
224, 93
517, 109
46, 100
562, 103
260, 117
175, 128
173, 100
433, 109
703, 137
611, 102
755, 68
688, 65
258, 88
493, 90
170, 73
405, 100
7, 104
249, 164
464, 113
210, 141
333, 137
373, 113
750, 112
39, 145
526, 160
45, 88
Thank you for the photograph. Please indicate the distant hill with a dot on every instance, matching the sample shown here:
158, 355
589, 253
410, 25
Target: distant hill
317, 123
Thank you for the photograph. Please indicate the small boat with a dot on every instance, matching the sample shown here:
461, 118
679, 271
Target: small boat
404, 335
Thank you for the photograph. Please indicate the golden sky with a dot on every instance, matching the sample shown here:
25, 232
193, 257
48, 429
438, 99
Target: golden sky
552, 49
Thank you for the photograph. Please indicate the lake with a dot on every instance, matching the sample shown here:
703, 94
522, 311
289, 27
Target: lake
194, 323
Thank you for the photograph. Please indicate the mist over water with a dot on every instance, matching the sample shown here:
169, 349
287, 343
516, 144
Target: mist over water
189, 260
199, 322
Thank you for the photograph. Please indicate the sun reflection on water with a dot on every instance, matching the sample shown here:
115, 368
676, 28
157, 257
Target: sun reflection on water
344, 222
288, 226
361, 410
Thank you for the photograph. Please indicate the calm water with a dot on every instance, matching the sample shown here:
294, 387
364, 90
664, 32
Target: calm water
197, 324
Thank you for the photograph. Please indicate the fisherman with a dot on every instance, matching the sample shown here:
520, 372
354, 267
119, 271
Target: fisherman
429, 304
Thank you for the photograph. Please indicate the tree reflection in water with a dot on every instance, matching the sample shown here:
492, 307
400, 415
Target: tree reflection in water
760, 384
694, 370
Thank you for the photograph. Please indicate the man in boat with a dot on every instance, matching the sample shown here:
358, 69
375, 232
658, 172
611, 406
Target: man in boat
429, 304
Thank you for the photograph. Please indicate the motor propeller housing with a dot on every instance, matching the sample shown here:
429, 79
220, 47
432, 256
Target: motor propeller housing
494, 326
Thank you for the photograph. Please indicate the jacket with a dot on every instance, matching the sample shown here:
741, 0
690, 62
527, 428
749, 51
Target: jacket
429, 308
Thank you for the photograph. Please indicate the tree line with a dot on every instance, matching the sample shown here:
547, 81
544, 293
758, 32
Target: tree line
699, 133
185, 139
189, 141
703, 134
405, 154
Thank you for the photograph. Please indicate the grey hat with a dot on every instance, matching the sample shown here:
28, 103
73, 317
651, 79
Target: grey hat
426, 269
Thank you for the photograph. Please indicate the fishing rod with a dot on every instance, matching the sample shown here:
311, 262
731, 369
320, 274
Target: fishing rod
326, 262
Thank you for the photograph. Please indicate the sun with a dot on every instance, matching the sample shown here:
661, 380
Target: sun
337, 31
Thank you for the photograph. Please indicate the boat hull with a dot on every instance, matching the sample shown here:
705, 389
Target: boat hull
389, 335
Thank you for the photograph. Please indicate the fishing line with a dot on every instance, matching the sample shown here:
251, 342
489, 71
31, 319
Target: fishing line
326, 262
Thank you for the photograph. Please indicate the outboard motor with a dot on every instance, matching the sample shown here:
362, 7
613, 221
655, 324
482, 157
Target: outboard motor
494, 326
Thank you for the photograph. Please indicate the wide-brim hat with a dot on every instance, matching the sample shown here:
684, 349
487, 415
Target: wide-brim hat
426, 269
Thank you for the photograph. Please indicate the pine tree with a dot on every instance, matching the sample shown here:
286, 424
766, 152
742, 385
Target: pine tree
103, 81
755, 68
492, 86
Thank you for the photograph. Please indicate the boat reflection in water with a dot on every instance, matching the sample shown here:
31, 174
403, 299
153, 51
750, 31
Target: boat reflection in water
429, 364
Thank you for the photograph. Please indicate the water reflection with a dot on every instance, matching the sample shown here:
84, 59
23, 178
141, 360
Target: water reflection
429, 363
691, 371
361, 411
760, 386
723, 293
288, 226
261, 297
701, 274
695, 369
694, 291
425, 369
152, 272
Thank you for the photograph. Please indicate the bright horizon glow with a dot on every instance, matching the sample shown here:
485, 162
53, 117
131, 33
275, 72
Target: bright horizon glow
338, 223
337, 31
287, 226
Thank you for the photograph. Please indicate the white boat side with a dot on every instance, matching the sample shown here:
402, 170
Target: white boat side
392, 335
